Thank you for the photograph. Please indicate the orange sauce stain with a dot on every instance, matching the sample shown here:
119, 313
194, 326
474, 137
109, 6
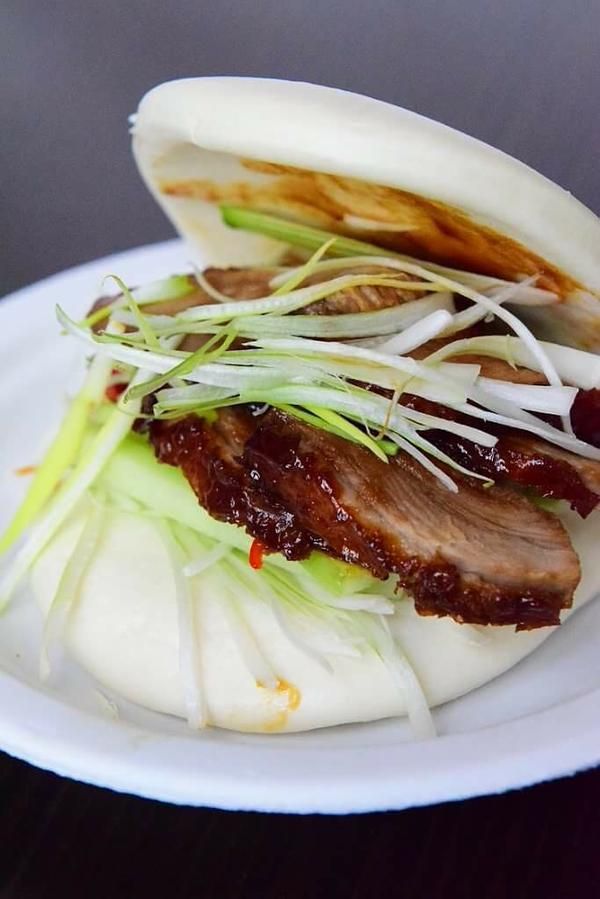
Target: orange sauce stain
25, 471
292, 697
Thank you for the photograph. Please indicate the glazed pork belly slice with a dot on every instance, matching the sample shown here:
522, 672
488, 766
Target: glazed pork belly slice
528, 464
485, 556
520, 459
586, 470
254, 283
209, 454
467, 555
251, 283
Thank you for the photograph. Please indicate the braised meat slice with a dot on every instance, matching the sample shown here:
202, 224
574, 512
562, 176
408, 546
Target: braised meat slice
241, 283
519, 458
254, 283
480, 556
209, 456
587, 470
366, 298
529, 464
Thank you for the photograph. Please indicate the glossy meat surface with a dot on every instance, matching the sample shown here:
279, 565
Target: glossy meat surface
209, 454
467, 554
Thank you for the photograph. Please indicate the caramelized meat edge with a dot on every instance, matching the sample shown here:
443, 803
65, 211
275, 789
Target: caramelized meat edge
210, 456
519, 459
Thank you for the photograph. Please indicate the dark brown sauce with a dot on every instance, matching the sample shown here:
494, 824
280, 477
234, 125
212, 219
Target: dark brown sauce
434, 231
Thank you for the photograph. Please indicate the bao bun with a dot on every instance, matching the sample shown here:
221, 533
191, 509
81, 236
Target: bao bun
361, 167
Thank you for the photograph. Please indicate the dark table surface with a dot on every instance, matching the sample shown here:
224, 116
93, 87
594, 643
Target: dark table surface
524, 76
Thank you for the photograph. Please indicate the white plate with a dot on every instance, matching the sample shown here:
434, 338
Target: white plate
541, 720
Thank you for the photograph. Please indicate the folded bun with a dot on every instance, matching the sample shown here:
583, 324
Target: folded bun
356, 165
124, 630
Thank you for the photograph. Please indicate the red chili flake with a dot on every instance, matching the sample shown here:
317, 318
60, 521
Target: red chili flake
256, 555
25, 470
114, 391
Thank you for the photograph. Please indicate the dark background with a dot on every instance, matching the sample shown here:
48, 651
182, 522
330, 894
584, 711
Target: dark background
521, 74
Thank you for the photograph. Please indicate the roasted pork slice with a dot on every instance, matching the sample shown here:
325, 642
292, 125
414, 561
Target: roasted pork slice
241, 283
486, 556
519, 458
209, 454
587, 470
254, 283
365, 298
251, 283
529, 464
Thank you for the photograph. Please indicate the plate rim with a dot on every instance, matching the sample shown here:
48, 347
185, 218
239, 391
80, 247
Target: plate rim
95, 756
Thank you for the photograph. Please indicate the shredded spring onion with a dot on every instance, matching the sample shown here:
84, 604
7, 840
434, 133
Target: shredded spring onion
173, 288
68, 586
426, 329
253, 655
305, 271
85, 473
501, 412
359, 251
381, 322
320, 379
62, 452
289, 302
406, 680
549, 400
576, 367
190, 662
140, 320
303, 236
